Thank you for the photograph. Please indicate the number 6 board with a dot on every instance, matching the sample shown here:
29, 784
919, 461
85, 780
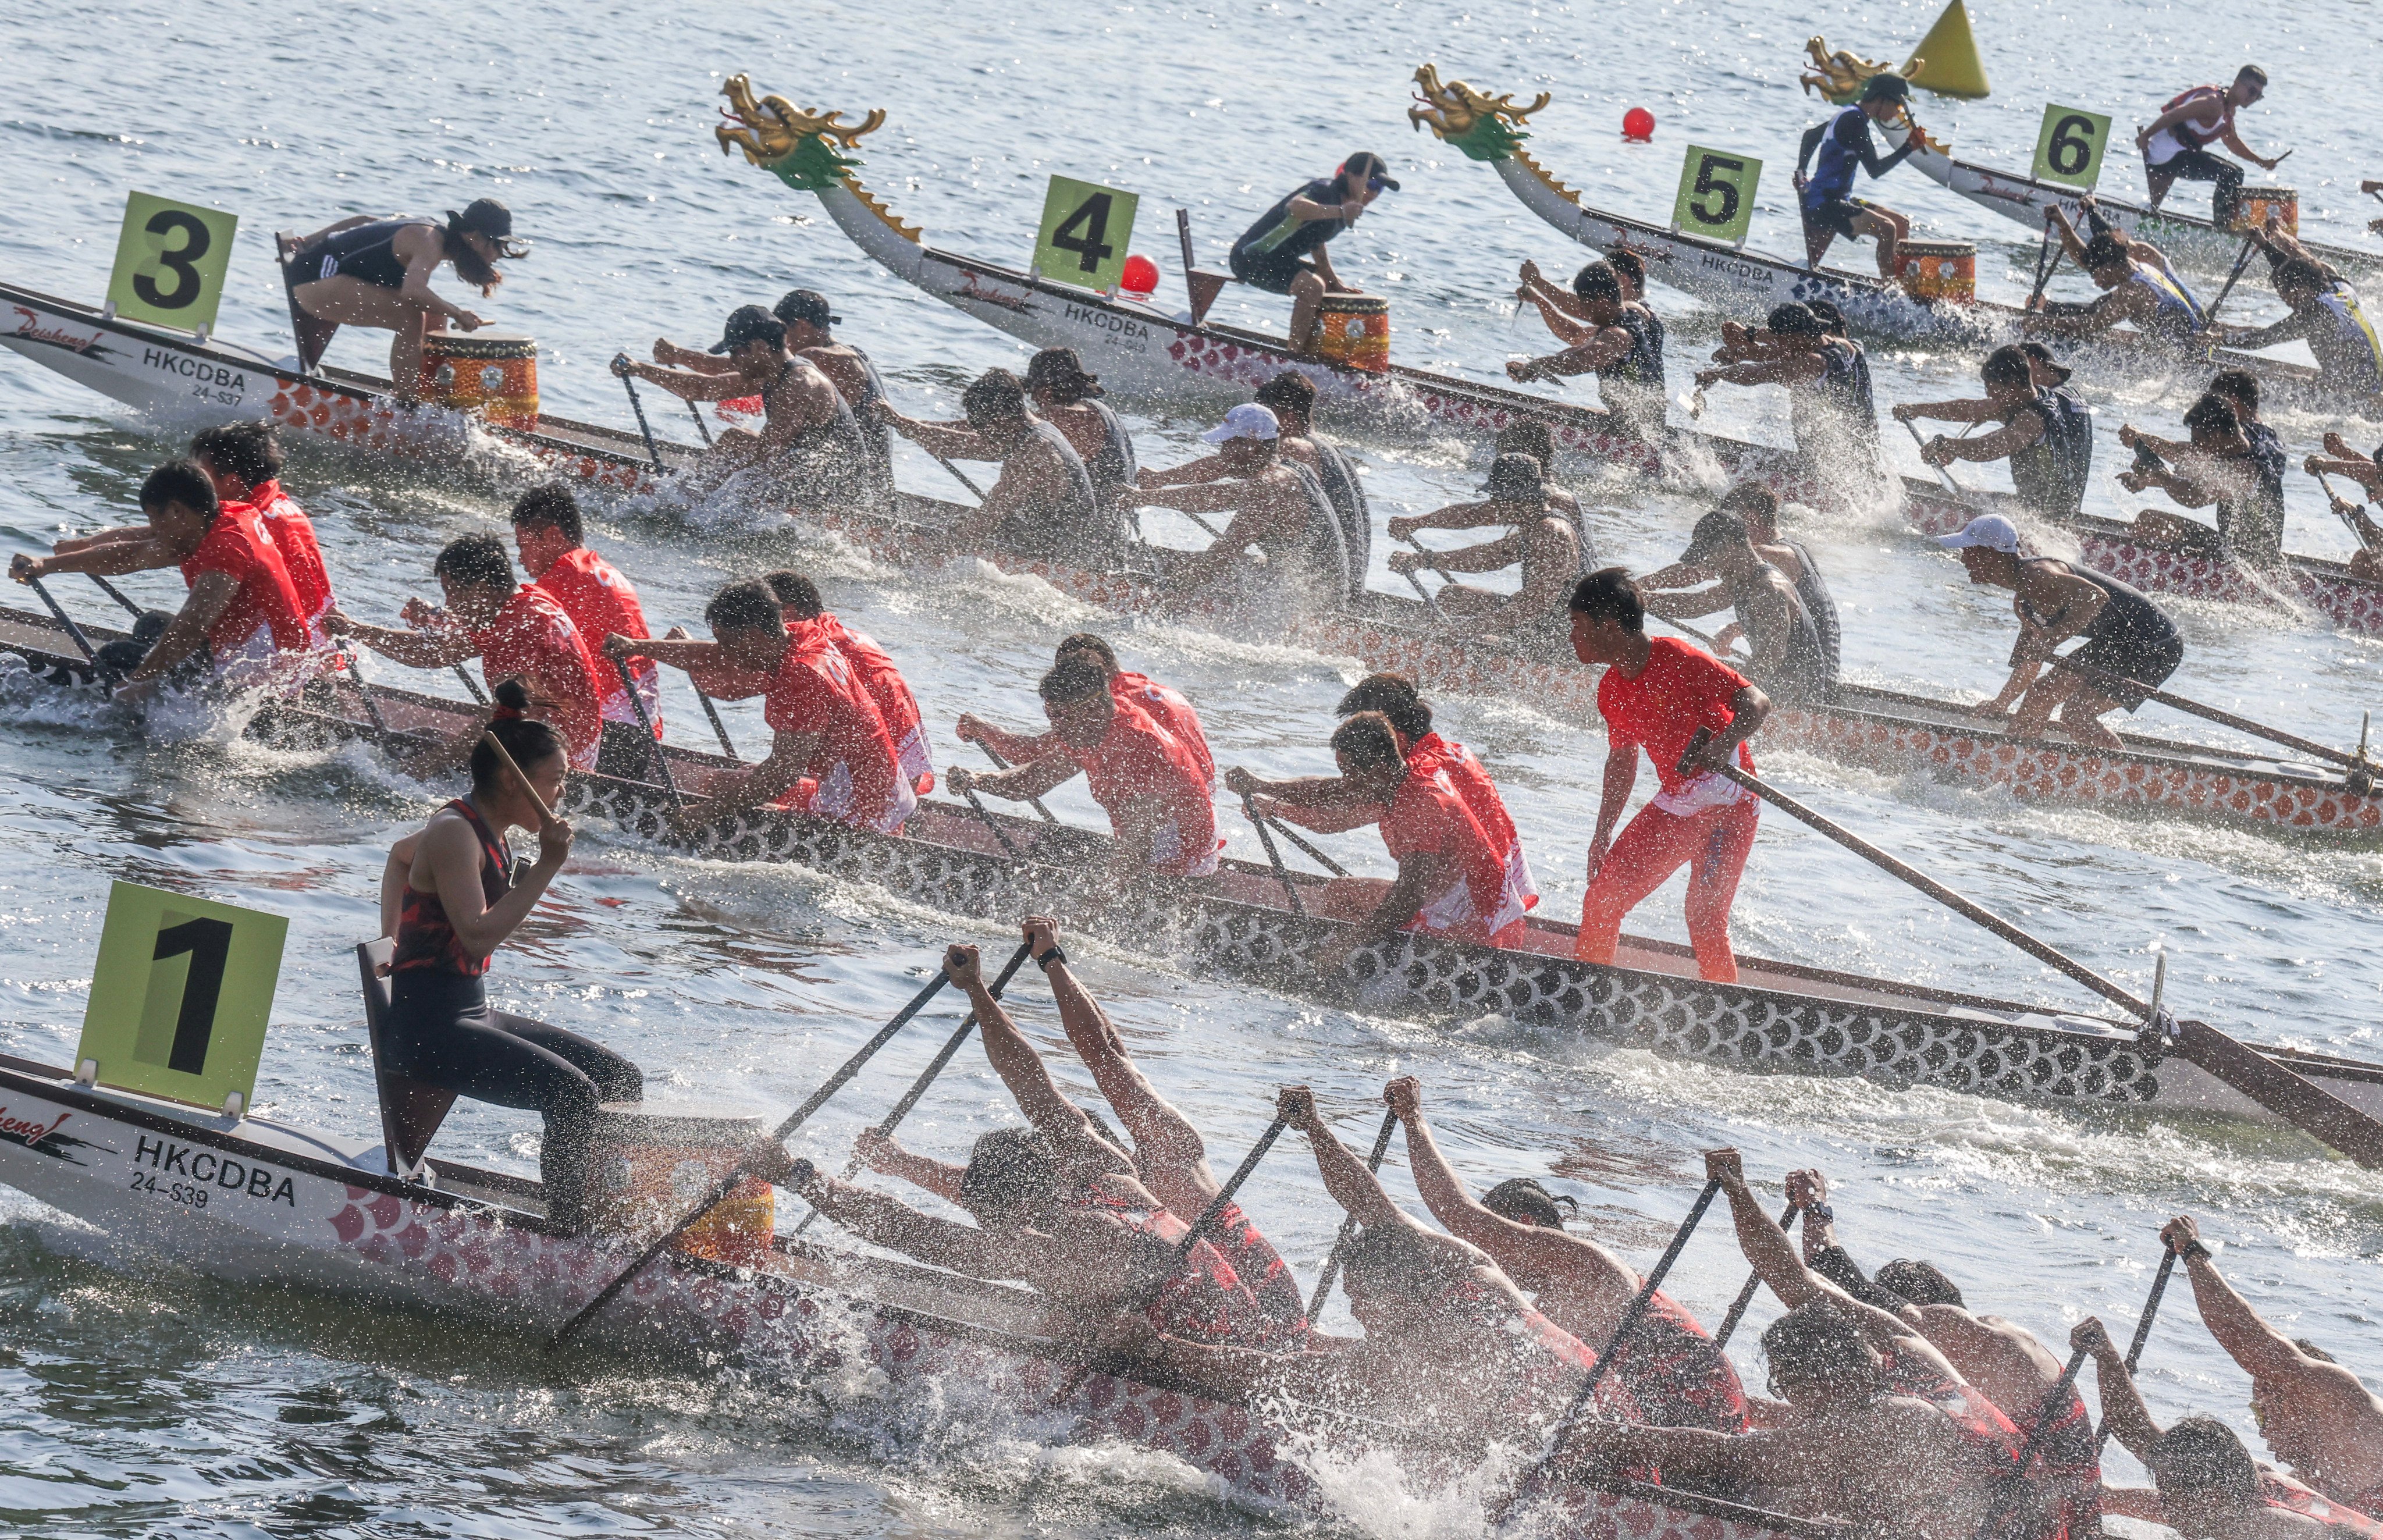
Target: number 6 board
180, 996
2070, 145
1716, 199
1086, 229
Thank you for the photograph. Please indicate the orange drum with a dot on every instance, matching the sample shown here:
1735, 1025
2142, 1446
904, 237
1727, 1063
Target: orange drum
647, 1161
2253, 205
1939, 271
492, 372
1353, 331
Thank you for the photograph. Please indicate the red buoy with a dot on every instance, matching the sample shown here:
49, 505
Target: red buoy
1140, 276
1638, 125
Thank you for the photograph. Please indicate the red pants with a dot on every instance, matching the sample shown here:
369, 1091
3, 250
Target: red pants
1714, 846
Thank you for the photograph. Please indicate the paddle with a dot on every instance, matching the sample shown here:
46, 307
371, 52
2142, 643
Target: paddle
1321, 859
2344, 510
1629, 1323
1415, 583
472, 685
702, 428
1001, 764
2142, 1329
90, 654
621, 367
112, 591
718, 727
646, 721
545, 814
1348, 1225
1746, 1295
1944, 473
2243, 569
1274, 856
372, 707
2242, 260
2048, 261
729, 1183
2314, 1110
1142, 1298
991, 822
2013, 1481
2209, 713
935, 1067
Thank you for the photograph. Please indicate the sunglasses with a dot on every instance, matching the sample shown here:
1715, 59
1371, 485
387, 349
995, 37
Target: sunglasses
1375, 184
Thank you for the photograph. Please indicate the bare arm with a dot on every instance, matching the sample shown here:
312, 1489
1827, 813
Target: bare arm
1419, 875
1020, 782
446, 861
2012, 437
689, 386
952, 441
415, 649
1620, 776
1017, 748
210, 597
1781, 369
1456, 515
1947, 412
881, 1153
349, 223
1484, 556
428, 251
1155, 1125
112, 558
790, 754
890, 1223
1022, 1070
2258, 1348
1345, 1176
2122, 1404
1208, 467
393, 881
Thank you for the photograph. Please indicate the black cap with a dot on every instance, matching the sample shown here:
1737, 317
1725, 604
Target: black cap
1795, 319
1886, 86
1364, 166
2041, 354
1830, 318
1713, 530
750, 323
1060, 369
805, 305
1517, 478
488, 217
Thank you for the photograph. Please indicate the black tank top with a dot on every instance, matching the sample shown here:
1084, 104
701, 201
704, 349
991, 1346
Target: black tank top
1806, 671
426, 937
1838, 406
369, 253
1821, 605
1112, 467
2127, 616
1073, 527
1347, 495
2052, 472
1317, 555
1547, 632
875, 436
831, 458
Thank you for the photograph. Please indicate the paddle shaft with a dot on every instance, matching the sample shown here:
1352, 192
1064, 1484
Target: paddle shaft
74, 632
2142, 1330
700, 426
720, 727
112, 591
1630, 1319
2334, 501
1321, 859
2242, 260
2210, 713
736, 1176
935, 1067
372, 707
1416, 583
504, 755
2047, 259
1274, 858
472, 685
1007, 847
1348, 1226
629, 382
1944, 473
1737, 1307
2013, 1481
646, 721
1001, 764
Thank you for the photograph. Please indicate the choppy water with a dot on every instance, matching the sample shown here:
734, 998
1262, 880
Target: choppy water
162, 1406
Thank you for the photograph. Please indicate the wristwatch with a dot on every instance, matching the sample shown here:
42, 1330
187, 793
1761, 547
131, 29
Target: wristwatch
1056, 955
2194, 1250
1820, 1213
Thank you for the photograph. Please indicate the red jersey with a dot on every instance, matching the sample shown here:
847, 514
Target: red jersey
1682, 689
1204, 1300
533, 636
601, 603
1137, 758
890, 693
1480, 797
2277, 1490
1427, 814
264, 616
1171, 711
853, 776
293, 536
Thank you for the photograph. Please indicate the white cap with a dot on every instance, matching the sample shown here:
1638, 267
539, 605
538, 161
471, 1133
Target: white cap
1990, 530
1248, 420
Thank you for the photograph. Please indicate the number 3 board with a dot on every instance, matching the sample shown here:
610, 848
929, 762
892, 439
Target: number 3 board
180, 996
1716, 199
1086, 230
170, 262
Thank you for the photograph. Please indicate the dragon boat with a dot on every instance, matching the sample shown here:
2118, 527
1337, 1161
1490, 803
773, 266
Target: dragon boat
261, 1201
1745, 284
1250, 923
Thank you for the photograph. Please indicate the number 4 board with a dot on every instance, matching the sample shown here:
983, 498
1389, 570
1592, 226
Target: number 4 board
180, 996
1087, 229
1716, 197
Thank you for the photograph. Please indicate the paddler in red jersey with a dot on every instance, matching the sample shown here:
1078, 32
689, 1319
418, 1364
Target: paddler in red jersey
1055, 1206
1878, 1430
1166, 707
831, 756
1452, 876
1659, 694
1669, 1365
1146, 778
2209, 1486
1452, 1350
244, 461
242, 615
553, 547
516, 632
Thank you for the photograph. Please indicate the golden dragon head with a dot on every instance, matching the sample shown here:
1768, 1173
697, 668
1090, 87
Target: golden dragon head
1484, 127
770, 130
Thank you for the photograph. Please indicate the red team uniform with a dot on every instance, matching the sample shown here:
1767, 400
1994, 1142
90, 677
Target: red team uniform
854, 777
601, 603
293, 536
1475, 903
1137, 758
889, 693
264, 617
533, 636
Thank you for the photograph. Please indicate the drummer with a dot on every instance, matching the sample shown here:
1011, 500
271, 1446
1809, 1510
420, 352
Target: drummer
1826, 199
1284, 251
1541, 541
1043, 505
809, 443
450, 895
1606, 335
2176, 144
375, 273
2130, 643
2046, 433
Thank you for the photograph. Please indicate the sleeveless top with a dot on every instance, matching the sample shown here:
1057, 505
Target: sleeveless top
1076, 527
2349, 351
2277, 1490
1348, 497
2068, 1458
426, 937
2052, 472
2176, 315
826, 461
1837, 405
1112, 467
1317, 554
1264, 1274
1805, 672
1547, 632
1633, 384
2127, 617
1820, 605
875, 436
1671, 1371
367, 253
1834, 167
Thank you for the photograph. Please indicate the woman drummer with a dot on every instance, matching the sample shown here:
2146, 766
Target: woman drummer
450, 895
367, 271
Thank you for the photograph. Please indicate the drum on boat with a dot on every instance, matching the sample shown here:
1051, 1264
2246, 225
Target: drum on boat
2253, 205
1354, 331
1939, 271
648, 1160
493, 373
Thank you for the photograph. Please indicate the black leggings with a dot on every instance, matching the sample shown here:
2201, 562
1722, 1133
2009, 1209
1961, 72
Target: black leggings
2199, 166
440, 1031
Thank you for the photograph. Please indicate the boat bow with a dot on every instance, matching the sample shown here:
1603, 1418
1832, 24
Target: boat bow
807, 151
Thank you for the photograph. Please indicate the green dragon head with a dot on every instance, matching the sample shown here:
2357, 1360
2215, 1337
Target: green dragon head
1483, 128
781, 138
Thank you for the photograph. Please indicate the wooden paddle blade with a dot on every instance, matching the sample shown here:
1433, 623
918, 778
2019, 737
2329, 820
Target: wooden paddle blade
2311, 1109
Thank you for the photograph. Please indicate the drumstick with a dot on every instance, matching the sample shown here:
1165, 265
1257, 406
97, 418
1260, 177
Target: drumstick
545, 815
